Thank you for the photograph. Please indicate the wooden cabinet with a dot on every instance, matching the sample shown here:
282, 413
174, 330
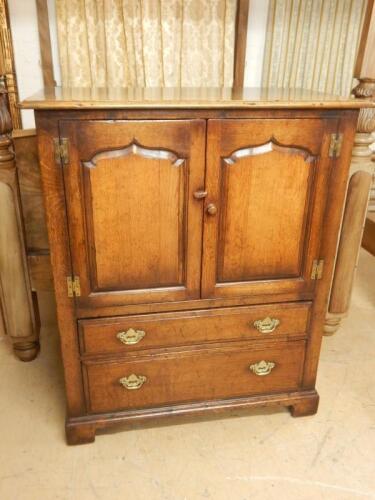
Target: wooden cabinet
192, 247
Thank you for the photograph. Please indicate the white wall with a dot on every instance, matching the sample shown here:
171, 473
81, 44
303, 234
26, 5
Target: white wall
23, 20
54, 42
256, 37
24, 25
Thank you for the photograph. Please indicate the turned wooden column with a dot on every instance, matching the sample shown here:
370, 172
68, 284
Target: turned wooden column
362, 168
7, 66
17, 312
371, 206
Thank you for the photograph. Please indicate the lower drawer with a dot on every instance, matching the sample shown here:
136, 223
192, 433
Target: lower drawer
233, 370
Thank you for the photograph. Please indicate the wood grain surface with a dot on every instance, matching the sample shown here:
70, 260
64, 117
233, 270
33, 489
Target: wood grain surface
186, 98
209, 374
189, 225
193, 327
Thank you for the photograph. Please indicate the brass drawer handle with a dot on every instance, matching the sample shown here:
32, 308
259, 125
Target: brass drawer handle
133, 382
131, 336
266, 325
262, 368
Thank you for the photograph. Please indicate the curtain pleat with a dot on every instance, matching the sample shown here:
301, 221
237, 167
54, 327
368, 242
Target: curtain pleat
147, 43
312, 44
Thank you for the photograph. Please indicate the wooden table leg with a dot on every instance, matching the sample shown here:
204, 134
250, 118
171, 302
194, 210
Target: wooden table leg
17, 306
354, 214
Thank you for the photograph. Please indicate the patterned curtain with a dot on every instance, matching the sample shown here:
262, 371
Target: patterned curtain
312, 44
146, 43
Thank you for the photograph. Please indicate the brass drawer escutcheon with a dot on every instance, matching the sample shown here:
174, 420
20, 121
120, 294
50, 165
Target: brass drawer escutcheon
266, 325
133, 381
131, 336
262, 368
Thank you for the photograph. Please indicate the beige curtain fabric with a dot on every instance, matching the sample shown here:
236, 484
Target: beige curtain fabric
146, 43
312, 44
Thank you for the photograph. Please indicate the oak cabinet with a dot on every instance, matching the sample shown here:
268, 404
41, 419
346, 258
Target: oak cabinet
192, 247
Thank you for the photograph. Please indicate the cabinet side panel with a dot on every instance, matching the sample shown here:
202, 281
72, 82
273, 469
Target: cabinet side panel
331, 226
54, 200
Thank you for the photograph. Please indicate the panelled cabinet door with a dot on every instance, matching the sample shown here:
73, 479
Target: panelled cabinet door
135, 226
267, 183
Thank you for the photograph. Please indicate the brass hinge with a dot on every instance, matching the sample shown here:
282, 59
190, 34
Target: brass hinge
61, 151
317, 270
335, 145
74, 286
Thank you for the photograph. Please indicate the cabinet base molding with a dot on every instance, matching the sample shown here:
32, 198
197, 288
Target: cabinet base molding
82, 430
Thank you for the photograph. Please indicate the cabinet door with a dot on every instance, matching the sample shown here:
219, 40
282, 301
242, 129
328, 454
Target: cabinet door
267, 184
135, 227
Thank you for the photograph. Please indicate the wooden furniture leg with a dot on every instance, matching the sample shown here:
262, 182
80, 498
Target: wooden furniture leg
18, 313
305, 407
80, 434
355, 212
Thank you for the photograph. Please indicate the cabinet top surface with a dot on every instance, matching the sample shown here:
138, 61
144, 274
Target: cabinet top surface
179, 98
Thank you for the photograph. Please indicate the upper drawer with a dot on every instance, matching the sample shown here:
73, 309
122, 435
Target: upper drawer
112, 335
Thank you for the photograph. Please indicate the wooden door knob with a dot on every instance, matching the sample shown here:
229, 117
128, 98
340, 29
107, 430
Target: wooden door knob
199, 195
211, 209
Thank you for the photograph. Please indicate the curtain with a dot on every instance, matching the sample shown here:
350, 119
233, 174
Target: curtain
312, 44
146, 43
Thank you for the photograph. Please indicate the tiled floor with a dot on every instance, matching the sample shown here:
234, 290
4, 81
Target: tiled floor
264, 454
